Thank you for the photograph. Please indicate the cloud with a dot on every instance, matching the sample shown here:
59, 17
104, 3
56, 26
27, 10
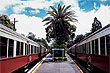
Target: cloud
34, 24
27, 24
86, 18
103, 0
5, 3
18, 8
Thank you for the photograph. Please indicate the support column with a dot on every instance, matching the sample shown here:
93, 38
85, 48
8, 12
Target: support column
99, 50
91, 47
23, 48
14, 50
105, 47
7, 46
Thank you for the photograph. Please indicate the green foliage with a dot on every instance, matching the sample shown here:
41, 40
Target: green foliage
4, 19
96, 25
31, 36
55, 45
58, 24
79, 38
40, 41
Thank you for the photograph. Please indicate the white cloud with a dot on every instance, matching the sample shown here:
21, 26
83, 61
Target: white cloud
70, 2
103, 0
86, 18
26, 23
4, 3
29, 24
39, 4
18, 8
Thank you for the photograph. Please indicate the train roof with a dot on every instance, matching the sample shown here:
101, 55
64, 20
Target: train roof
9, 33
96, 32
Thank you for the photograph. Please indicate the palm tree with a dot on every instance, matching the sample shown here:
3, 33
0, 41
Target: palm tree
58, 24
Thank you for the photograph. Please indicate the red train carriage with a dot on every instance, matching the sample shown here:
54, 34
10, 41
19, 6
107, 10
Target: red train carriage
16, 50
95, 49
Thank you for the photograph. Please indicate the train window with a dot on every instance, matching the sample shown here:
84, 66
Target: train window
10, 49
37, 49
34, 49
102, 45
96, 46
81, 48
18, 48
108, 44
25, 49
3, 47
21, 48
92, 46
85, 48
31, 49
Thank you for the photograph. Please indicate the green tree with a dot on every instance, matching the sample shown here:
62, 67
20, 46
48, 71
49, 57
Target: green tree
58, 24
42, 41
55, 45
4, 19
31, 36
96, 25
78, 38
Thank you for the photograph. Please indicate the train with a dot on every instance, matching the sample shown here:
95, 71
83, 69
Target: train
94, 49
17, 50
58, 54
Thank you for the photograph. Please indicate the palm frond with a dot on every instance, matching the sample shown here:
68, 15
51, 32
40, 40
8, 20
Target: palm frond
63, 7
51, 13
67, 8
71, 19
67, 14
59, 9
49, 22
53, 9
47, 19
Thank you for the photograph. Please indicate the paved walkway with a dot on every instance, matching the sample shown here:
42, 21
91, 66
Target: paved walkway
49, 66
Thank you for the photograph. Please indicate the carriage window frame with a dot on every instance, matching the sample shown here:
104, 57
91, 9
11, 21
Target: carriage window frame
22, 47
93, 51
108, 44
31, 49
3, 40
102, 45
17, 48
96, 46
10, 48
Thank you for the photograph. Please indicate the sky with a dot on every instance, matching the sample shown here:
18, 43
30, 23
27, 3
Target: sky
30, 13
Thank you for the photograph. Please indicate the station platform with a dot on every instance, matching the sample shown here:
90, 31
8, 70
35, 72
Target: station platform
48, 65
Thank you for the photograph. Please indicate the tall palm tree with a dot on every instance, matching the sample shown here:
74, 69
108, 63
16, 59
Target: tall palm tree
58, 24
